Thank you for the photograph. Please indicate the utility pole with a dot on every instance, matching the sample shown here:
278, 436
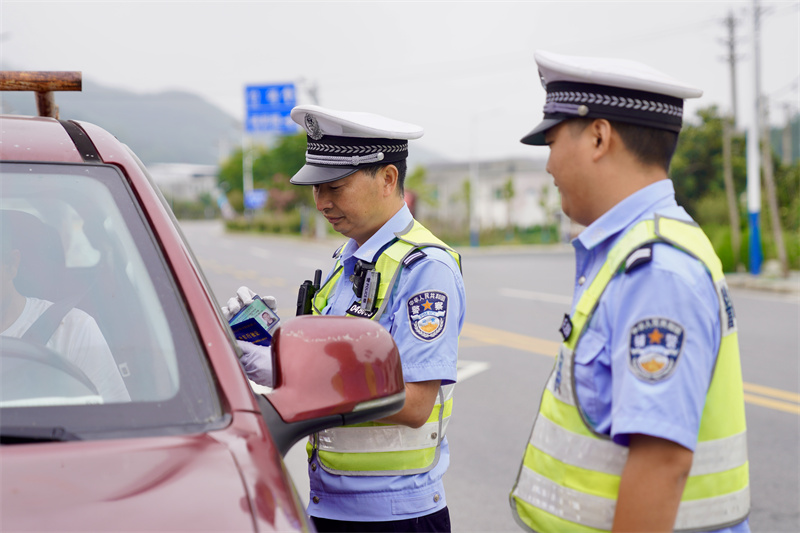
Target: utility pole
753, 161
772, 197
730, 24
728, 124
786, 140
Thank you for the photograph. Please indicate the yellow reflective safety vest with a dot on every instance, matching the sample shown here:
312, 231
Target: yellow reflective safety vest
569, 478
374, 448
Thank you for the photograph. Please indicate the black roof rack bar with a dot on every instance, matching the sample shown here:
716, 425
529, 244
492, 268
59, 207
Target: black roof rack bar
43, 83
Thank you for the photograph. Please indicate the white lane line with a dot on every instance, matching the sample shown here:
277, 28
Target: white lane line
538, 296
259, 252
468, 369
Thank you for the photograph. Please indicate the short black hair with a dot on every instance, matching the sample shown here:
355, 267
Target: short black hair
651, 146
402, 167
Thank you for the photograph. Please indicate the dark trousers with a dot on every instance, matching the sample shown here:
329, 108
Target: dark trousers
436, 522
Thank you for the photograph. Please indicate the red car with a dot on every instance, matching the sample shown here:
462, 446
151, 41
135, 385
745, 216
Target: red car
127, 408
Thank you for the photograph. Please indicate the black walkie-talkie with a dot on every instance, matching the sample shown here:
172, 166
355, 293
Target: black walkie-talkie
306, 294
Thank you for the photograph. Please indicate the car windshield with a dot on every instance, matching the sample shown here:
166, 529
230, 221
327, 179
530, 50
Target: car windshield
96, 339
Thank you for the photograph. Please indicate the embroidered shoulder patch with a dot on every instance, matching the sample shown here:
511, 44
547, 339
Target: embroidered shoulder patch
427, 314
655, 346
727, 313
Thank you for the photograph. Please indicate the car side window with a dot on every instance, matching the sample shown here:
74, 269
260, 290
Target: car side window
79, 242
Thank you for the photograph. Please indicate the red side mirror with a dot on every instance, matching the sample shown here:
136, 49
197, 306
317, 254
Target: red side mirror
340, 369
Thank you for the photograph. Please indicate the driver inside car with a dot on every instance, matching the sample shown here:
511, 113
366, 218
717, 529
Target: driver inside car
77, 337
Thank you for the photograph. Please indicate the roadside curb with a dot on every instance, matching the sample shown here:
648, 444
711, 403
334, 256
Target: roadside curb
789, 285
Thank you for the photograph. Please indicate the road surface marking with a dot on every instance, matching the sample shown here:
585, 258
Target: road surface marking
468, 369
242, 275
538, 296
476, 335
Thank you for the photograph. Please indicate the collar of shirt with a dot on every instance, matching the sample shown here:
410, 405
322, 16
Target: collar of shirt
592, 245
385, 234
625, 214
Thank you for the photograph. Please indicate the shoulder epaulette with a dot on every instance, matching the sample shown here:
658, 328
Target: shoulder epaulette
640, 256
413, 257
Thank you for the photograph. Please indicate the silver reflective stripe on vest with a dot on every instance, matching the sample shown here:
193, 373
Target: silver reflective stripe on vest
387, 438
571, 505
585, 452
560, 382
370, 439
598, 512
601, 455
713, 456
707, 513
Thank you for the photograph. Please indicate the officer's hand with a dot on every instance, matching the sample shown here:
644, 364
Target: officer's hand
257, 362
244, 297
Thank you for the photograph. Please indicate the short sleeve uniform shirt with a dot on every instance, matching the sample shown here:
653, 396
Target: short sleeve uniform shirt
674, 288
383, 498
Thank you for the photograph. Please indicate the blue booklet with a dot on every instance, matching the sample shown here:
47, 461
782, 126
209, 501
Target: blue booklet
255, 323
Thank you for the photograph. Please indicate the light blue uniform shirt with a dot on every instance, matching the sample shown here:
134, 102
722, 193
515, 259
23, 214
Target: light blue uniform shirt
673, 286
383, 498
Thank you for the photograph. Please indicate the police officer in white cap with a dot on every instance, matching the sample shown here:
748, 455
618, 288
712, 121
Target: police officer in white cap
384, 476
641, 425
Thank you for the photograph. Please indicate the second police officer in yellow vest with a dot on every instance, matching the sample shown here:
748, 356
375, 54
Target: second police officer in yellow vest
641, 425
384, 475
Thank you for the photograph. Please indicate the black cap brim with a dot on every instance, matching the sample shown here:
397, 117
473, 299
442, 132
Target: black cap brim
536, 136
315, 174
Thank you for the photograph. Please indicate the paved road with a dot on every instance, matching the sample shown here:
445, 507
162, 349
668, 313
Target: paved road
516, 298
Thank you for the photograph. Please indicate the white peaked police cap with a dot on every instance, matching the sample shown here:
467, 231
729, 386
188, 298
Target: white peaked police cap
614, 89
342, 142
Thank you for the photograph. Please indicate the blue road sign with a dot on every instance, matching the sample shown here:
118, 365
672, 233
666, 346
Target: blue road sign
268, 108
255, 199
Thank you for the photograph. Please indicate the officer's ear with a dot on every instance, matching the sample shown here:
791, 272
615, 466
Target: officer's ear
600, 132
390, 176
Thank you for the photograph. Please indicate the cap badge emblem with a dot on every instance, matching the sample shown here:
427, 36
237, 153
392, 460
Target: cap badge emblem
312, 127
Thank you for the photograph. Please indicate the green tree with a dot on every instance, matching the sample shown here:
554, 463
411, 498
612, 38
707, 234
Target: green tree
272, 168
697, 171
787, 185
466, 196
507, 193
416, 182
696, 168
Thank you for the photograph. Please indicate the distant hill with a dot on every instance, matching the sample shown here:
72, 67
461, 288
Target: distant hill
166, 127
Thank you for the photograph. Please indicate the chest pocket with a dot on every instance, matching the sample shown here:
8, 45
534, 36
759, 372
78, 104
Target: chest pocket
592, 374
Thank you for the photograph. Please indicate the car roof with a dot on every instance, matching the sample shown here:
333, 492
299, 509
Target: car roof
36, 139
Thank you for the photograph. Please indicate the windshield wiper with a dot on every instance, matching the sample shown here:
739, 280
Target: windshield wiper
29, 434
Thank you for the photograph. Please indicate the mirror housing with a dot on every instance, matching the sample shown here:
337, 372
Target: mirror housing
330, 371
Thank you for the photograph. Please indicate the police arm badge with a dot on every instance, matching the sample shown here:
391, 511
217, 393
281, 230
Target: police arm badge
655, 346
427, 314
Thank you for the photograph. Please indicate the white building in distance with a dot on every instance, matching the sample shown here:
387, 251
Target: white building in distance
535, 201
184, 181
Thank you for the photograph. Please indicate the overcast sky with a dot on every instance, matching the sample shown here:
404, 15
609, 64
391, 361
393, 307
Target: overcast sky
462, 70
